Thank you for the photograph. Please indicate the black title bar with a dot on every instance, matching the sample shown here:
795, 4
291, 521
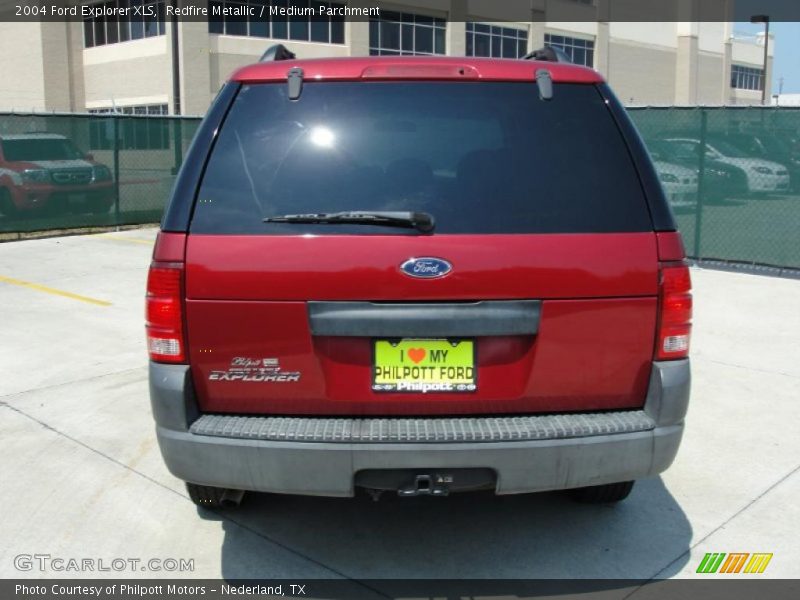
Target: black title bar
383, 589
667, 11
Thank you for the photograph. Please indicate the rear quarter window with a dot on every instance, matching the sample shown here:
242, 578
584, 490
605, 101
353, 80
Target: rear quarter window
479, 157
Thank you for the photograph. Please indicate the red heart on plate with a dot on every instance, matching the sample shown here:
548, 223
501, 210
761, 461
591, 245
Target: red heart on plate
416, 354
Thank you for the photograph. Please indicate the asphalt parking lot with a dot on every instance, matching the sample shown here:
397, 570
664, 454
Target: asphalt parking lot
82, 475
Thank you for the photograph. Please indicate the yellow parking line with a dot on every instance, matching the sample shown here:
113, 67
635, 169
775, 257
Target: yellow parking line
124, 239
55, 292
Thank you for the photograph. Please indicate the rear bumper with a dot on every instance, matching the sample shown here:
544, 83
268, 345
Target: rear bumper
322, 456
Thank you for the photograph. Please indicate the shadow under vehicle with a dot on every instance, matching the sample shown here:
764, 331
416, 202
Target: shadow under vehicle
507, 541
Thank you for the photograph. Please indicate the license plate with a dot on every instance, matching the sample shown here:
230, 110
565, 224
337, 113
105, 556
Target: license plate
78, 198
424, 366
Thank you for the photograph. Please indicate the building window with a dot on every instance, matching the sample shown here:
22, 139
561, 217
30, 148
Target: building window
495, 41
146, 20
268, 22
134, 134
395, 33
580, 52
747, 78
141, 110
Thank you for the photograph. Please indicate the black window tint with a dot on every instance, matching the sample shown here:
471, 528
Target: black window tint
99, 32
235, 24
439, 35
407, 38
479, 157
259, 28
298, 28
137, 25
280, 28
151, 27
320, 29
337, 30
88, 34
424, 39
215, 24
112, 28
390, 34
496, 41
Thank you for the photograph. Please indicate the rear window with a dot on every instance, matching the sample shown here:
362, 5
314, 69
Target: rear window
479, 157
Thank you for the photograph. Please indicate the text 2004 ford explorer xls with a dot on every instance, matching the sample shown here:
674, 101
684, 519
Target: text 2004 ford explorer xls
422, 275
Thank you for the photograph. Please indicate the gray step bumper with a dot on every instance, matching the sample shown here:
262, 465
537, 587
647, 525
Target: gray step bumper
320, 456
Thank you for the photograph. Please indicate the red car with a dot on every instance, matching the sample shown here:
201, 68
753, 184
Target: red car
45, 171
418, 275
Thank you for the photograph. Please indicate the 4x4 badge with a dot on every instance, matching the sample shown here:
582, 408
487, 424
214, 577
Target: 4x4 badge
426, 268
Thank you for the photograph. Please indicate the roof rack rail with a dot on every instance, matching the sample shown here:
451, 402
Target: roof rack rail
548, 54
277, 52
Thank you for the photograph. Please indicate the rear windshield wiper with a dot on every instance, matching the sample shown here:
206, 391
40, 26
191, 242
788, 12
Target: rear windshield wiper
420, 221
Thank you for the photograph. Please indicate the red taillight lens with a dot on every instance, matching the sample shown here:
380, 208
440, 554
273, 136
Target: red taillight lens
675, 317
164, 313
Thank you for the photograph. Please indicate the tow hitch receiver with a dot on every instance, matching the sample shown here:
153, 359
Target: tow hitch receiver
427, 485
424, 482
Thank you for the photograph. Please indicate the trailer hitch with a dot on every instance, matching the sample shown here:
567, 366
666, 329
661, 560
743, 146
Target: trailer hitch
426, 485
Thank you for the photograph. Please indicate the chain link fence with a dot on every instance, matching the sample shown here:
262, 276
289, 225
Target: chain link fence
738, 201
732, 176
87, 170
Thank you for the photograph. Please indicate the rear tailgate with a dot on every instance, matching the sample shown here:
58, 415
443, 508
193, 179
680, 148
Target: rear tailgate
247, 299
561, 234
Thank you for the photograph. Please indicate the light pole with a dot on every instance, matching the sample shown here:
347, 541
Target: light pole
177, 109
763, 19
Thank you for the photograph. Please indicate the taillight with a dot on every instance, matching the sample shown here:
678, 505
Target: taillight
164, 313
675, 312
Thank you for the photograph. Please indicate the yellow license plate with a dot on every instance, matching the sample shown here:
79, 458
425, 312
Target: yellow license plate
424, 366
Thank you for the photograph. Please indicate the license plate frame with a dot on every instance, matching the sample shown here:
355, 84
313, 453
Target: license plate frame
425, 375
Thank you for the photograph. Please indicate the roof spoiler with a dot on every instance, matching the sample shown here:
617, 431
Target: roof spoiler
548, 54
277, 52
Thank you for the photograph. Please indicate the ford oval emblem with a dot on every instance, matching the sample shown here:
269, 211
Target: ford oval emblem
426, 268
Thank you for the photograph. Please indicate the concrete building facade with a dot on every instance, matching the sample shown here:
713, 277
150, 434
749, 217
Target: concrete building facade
103, 65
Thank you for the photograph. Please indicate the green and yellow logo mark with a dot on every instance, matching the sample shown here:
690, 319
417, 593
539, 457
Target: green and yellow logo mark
734, 562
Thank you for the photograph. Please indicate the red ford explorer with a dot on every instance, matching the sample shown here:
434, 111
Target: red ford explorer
417, 275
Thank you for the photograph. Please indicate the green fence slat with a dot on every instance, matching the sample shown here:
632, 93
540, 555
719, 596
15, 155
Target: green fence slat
747, 207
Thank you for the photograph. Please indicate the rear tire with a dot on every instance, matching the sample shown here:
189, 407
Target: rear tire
205, 495
603, 494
